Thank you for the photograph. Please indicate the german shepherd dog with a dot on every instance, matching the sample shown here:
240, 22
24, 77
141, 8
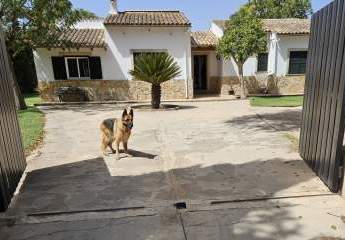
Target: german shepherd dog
116, 131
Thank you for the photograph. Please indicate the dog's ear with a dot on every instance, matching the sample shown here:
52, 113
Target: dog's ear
131, 113
124, 113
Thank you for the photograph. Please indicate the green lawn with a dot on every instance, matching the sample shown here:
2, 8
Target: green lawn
31, 122
285, 101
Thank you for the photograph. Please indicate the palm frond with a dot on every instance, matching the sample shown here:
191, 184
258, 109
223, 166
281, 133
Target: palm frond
155, 68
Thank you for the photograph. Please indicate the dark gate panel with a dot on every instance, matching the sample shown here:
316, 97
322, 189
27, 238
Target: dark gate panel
12, 159
322, 132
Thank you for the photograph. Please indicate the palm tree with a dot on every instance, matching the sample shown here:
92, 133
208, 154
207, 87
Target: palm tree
155, 68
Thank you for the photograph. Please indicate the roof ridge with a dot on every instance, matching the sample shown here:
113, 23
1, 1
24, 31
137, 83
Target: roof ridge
136, 11
286, 19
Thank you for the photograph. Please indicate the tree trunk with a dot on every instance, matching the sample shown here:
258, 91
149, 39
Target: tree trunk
19, 98
156, 93
243, 90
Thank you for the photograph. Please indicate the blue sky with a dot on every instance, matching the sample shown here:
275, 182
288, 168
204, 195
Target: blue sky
200, 12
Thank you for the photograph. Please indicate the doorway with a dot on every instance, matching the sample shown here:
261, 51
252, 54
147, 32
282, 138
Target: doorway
200, 73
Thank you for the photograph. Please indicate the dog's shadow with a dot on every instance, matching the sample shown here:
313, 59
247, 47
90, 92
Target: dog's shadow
137, 154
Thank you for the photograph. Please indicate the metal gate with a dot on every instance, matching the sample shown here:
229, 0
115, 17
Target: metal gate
12, 159
322, 132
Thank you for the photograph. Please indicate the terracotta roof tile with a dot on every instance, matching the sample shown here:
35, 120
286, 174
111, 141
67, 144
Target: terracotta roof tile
280, 26
204, 39
152, 18
82, 38
287, 26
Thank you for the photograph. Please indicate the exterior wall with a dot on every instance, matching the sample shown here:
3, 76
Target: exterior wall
285, 85
285, 45
43, 61
117, 60
279, 47
122, 41
118, 90
90, 24
218, 31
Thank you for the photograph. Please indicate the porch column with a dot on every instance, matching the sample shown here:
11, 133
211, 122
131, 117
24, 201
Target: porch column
273, 53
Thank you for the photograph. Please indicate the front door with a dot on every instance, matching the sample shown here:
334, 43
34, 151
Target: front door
200, 72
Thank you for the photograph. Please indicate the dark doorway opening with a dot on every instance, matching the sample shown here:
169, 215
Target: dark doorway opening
200, 72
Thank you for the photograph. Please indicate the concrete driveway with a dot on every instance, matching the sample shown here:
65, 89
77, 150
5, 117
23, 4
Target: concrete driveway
212, 170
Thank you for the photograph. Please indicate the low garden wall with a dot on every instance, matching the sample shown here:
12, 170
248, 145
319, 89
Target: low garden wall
285, 85
118, 90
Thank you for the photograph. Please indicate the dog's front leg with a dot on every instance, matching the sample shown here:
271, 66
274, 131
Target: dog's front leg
125, 147
117, 145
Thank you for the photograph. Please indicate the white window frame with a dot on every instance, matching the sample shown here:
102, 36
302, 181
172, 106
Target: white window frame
77, 58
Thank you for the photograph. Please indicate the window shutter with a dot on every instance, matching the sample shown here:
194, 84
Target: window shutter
59, 68
95, 68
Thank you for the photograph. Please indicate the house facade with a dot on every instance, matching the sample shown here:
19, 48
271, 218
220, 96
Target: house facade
101, 52
279, 70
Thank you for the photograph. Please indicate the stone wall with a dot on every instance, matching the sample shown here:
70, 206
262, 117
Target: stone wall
214, 84
118, 90
286, 85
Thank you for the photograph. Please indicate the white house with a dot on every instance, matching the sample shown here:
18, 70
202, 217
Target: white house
101, 52
283, 65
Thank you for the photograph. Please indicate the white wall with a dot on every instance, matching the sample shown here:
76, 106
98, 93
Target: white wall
90, 24
286, 43
218, 31
122, 41
278, 63
117, 59
43, 62
249, 68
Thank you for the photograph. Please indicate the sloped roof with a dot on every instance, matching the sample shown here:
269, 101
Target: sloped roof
280, 26
82, 38
204, 39
151, 18
287, 26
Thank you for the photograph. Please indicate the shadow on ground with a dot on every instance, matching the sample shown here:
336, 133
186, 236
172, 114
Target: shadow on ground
287, 120
89, 186
94, 109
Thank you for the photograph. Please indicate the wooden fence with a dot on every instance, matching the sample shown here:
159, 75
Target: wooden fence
322, 133
12, 158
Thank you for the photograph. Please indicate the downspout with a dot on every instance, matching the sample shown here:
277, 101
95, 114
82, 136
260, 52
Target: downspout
188, 64
273, 53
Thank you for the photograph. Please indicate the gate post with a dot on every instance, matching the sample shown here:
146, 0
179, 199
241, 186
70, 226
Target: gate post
12, 157
323, 118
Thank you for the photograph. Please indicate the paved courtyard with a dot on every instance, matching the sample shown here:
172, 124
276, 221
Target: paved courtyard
211, 170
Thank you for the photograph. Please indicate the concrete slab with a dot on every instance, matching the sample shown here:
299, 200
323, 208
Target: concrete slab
88, 185
127, 228
290, 219
205, 152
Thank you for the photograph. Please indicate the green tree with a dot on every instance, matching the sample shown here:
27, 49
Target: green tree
155, 68
85, 14
282, 8
243, 37
32, 23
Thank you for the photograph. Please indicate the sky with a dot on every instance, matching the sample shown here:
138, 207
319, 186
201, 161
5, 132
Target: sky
200, 12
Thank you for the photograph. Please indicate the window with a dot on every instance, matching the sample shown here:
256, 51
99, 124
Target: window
77, 67
262, 62
298, 62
